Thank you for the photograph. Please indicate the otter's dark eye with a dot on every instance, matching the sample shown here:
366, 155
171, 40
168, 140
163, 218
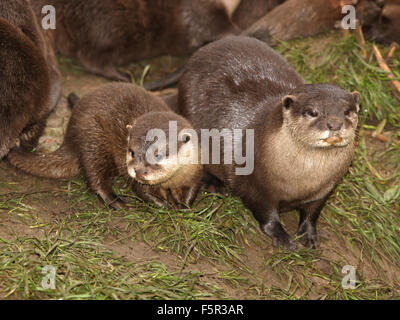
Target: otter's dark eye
347, 112
186, 138
311, 113
132, 153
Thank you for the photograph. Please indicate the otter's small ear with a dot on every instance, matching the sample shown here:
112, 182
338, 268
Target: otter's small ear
357, 97
130, 126
288, 101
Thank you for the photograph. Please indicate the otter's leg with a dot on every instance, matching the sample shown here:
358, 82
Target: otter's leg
148, 194
272, 226
185, 196
29, 138
102, 185
190, 194
110, 198
214, 185
100, 172
307, 230
267, 214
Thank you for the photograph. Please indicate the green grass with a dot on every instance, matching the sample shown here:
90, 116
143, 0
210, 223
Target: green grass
85, 270
336, 59
216, 250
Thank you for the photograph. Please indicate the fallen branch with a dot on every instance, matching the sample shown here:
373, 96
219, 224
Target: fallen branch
393, 47
381, 137
383, 65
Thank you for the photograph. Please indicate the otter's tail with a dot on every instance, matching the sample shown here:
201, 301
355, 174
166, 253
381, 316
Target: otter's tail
60, 164
168, 81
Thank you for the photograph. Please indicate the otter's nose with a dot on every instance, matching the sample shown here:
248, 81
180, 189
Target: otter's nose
141, 173
334, 125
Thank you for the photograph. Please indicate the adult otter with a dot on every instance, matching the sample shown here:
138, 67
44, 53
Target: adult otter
104, 35
24, 88
19, 13
106, 137
303, 134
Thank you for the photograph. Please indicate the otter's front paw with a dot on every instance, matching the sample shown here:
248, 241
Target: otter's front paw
279, 236
118, 204
308, 236
285, 242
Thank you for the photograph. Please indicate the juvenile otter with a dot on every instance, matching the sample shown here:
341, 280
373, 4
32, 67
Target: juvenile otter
104, 35
303, 133
105, 138
24, 89
19, 13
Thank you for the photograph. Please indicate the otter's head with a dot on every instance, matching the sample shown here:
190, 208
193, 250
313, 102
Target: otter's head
321, 115
160, 144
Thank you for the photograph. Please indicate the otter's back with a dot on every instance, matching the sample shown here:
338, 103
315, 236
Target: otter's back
235, 78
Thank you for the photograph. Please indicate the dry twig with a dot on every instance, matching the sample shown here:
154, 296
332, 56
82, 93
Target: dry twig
360, 39
383, 65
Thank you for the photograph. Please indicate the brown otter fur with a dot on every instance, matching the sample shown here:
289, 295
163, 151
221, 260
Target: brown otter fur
299, 18
303, 18
169, 177
99, 143
386, 28
104, 35
296, 164
19, 13
249, 11
24, 86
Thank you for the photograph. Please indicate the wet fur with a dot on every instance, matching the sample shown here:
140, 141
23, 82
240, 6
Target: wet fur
248, 83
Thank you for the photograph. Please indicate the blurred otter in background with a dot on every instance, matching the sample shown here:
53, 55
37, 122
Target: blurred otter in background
386, 28
104, 35
19, 13
304, 18
249, 11
24, 78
